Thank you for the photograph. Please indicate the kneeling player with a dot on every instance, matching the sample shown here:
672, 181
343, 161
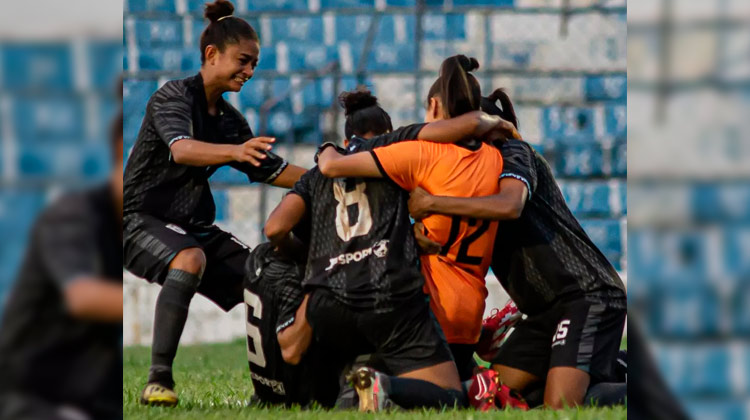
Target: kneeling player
284, 368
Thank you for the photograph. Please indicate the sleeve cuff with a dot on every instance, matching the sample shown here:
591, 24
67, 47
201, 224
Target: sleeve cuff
520, 178
178, 138
281, 326
276, 173
380, 166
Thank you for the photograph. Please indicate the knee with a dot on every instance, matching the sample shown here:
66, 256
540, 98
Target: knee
559, 401
192, 260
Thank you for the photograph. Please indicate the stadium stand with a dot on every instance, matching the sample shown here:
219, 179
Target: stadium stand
56, 99
572, 108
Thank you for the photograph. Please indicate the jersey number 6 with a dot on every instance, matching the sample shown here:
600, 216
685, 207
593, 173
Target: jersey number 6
345, 199
254, 309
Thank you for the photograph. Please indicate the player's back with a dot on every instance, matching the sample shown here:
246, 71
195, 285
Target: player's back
454, 278
272, 293
361, 245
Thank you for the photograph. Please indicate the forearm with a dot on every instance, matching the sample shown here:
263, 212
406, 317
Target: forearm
289, 176
452, 130
493, 207
198, 153
95, 299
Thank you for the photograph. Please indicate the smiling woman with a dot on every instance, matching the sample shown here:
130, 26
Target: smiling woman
189, 131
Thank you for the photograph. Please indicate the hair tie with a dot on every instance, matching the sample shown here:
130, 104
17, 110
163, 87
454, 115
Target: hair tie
223, 17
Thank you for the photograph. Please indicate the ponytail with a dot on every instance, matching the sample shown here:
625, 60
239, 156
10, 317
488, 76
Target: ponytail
456, 88
506, 112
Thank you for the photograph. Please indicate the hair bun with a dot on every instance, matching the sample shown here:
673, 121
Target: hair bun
469, 64
355, 100
218, 9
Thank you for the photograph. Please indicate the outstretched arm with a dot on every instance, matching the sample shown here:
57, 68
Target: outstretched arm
475, 124
289, 176
507, 204
333, 164
188, 151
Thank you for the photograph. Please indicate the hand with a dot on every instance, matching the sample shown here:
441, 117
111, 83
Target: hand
427, 245
253, 150
420, 203
494, 128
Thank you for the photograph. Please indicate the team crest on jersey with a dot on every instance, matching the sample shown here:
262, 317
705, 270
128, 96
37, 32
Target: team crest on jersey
176, 228
380, 250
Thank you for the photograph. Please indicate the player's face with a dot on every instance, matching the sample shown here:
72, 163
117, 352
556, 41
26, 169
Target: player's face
236, 64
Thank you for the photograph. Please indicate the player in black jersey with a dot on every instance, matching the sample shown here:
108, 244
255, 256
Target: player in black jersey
188, 132
363, 270
574, 298
61, 329
284, 368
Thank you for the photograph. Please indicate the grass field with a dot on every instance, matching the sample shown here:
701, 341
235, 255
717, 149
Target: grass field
214, 383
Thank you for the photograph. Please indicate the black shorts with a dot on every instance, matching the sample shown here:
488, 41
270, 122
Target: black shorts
404, 339
575, 333
150, 244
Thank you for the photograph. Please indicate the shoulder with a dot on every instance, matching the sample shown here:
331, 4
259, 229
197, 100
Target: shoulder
174, 90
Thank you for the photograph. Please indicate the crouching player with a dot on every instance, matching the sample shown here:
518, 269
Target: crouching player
284, 367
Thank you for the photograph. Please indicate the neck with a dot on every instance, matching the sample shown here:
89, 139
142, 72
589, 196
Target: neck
213, 92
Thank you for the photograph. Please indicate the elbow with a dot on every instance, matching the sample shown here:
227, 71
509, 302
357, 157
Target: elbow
515, 211
275, 231
177, 154
327, 168
291, 354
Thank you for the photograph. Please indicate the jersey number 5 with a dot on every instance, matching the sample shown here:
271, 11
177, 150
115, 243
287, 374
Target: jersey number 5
345, 199
254, 309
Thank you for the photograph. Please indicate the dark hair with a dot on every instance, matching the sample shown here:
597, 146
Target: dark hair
457, 89
115, 135
489, 105
224, 28
363, 114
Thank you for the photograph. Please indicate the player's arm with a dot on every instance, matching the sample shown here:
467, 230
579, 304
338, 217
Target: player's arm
94, 299
68, 251
192, 152
283, 218
295, 339
333, 164
507, 204
289, 176
475, 124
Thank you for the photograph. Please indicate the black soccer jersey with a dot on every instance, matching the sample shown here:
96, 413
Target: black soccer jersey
44, 351
545, 254
361, 244
273, 292
155, 184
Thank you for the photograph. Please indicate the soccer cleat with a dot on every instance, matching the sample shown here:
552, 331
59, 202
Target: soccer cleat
158, 395
367, 383
481, 390
506, 397
494, 330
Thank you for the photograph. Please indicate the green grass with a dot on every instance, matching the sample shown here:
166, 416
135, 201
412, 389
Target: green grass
213, 382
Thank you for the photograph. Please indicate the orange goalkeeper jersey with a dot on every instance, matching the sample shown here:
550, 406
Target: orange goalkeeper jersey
454, 278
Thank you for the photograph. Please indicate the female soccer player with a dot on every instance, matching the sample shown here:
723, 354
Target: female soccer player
189, 131
574, 298
454, 278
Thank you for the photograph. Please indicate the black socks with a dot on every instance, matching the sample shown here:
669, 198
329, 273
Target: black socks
414, 393
169, 320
